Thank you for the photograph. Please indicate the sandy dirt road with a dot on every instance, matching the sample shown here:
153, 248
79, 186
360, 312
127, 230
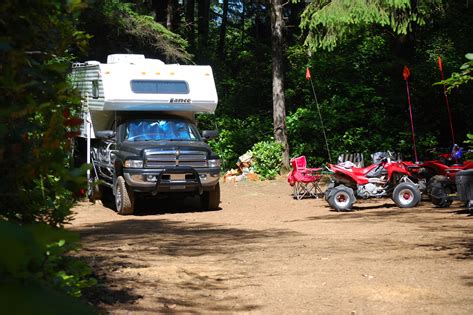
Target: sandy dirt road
266, 253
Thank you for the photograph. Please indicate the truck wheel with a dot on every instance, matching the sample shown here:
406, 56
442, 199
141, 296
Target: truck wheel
94, 190
406, 195
211, 199
124, 197
439, 187
341, 198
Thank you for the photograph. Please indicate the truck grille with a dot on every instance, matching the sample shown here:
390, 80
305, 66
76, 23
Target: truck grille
174, 158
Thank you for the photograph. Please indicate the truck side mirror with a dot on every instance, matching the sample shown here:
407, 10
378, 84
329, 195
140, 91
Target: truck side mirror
105, 134
209, 134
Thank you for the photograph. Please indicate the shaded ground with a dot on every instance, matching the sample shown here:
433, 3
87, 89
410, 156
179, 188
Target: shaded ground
266, 253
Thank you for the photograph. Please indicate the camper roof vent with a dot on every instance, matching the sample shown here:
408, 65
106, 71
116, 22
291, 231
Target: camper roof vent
125, 58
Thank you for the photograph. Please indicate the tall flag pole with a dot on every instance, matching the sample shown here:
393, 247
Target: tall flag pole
446, 101
406, 73
309, 78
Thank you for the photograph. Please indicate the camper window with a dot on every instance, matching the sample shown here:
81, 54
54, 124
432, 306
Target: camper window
159, 87
95, 89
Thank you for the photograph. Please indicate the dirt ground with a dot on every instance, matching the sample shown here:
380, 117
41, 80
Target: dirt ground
265, 253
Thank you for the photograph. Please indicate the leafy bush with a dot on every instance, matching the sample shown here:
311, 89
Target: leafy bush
236, 136
469, 143
38, 190
37, 264
268, 158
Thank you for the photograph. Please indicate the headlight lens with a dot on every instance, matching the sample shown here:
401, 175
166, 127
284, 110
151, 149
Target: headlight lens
214, 163
134, 163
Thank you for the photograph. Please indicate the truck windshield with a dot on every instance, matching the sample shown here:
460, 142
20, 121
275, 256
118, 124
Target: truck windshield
161, 129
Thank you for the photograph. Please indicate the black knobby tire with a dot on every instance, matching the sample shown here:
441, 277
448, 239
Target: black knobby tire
211, 199
124, 197
328, 191
341, 198
439, 187
406, 195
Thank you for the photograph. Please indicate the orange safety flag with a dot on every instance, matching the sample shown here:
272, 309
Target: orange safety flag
406, 73
440, 64
307, 74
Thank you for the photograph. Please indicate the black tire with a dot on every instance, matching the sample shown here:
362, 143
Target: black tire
211, 199
94, 189
406, 195
328, 191
439, 187
124, 197
341, 198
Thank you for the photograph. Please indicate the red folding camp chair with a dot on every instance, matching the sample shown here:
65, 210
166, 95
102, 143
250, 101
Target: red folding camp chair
304, 180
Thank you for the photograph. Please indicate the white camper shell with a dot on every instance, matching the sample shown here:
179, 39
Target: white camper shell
134, 83
139, 132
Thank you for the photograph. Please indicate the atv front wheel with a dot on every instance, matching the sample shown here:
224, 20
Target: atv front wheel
406, 195
328, 191
341, 198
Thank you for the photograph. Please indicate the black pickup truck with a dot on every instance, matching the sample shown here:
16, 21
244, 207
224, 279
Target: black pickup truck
151, 155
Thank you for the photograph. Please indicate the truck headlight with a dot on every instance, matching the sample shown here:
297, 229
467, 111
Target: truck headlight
133, 163
213, 163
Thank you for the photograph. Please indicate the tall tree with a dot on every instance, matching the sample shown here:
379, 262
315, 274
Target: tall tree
223, 29
190, 17
279, 106
203, 24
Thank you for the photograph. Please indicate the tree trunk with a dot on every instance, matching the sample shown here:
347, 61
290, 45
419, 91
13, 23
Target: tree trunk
223, 30
203, 24
159, 7
279, 106
190, 16
170, 14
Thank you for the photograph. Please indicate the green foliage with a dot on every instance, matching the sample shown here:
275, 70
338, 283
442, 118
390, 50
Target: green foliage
38, 263
329, 22
37, 102
268, 158
236, 136
126, 29
460, 78
469, 144
38, 122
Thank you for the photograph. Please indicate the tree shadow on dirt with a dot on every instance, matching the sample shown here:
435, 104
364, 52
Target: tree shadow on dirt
152, 206
457, 247
123, 253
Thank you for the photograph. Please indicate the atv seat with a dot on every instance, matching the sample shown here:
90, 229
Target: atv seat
377, 171
304, 180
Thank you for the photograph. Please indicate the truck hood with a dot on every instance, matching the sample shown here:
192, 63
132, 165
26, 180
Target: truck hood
143, 148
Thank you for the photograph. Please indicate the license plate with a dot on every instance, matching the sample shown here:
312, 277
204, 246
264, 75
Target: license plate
180, 187
178, 177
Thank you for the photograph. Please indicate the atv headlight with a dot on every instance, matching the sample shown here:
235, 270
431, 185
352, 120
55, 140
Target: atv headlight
213, 163
133, 163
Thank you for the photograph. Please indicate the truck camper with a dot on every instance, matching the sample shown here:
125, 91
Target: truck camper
139, 129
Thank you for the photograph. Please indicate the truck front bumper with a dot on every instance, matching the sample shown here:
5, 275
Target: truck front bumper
175, 179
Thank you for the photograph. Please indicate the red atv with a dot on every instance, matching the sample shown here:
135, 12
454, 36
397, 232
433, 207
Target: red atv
382, 179
439, 175
441, 187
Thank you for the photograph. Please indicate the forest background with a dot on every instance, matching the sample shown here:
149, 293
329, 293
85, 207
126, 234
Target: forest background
259, 51
359, 84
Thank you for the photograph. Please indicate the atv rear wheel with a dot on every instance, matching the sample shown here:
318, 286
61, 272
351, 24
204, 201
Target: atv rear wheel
439, 188
406, 195
341, 198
